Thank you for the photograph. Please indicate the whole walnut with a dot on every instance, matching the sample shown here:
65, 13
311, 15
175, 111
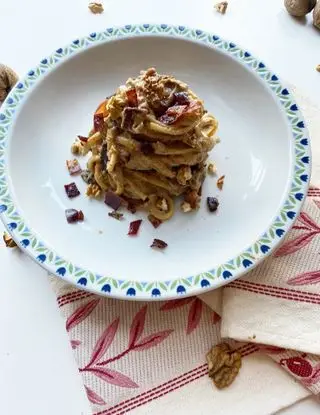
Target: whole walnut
316, 16
299, 8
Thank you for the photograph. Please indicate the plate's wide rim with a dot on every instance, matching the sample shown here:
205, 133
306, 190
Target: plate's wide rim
111, 286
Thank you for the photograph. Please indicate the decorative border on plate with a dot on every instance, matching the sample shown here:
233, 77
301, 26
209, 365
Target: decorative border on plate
110, 286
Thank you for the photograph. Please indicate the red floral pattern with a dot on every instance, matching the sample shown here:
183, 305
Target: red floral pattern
311, 230
195, 311
137, 343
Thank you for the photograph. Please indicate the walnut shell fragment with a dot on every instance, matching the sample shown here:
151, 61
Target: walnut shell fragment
223, 365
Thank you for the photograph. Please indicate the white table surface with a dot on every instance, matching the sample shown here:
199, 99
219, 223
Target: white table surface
38, 375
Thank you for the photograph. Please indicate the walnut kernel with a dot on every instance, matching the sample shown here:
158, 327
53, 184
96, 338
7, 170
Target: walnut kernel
186, 207
77, 148
184, 175
221, 7
223, 365
93, 191
212, 168
96, 8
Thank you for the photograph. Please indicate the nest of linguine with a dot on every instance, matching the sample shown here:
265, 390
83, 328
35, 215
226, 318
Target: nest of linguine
150, 143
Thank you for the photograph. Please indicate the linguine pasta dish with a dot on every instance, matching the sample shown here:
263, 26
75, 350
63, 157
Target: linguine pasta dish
150, 144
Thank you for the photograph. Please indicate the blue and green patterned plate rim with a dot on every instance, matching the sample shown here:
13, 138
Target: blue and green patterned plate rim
107, 285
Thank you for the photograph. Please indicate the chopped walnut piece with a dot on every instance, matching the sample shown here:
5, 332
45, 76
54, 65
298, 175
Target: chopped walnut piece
193, 199
77, 148
8, 240
221, 7
96, 8
212, 168
223, 365
220, 182
186, 207
93, 191
184, 175
162, 205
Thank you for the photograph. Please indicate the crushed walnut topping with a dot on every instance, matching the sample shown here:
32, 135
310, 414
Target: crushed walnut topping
221, 7
223, 365
162, 204
186, 207
212, 168
77, 148
96, 8
184, 175
8, 240
93, 191
193, 199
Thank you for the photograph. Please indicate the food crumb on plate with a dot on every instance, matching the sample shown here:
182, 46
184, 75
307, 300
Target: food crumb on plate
212, 203
74, 215
73, 166
71, 190
116, 215
94, 191
220, 182
158, 243
154, 221
212, 168
134, 227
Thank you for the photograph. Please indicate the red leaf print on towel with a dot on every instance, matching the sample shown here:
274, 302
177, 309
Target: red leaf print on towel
194, 315
309, 225
295, 244
215, 317
152, 340
137, 326
173, 304
113, 377
317, 202
195, 311
81, 314
306, 220
135, 344
75, 343
104, 342
93, 397
308, 278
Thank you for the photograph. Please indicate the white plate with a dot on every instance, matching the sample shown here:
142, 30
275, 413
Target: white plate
264, 154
